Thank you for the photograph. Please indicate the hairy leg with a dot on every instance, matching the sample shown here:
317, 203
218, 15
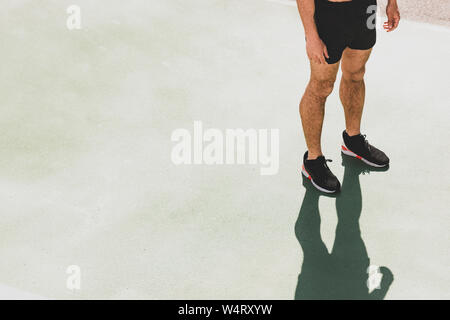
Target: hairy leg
312, 105
352, 89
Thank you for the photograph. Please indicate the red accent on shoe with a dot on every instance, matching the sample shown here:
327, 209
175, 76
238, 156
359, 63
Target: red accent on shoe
356, 156
309, 176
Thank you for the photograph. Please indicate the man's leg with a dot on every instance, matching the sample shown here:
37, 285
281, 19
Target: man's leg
352, 90
352, 93
312, 105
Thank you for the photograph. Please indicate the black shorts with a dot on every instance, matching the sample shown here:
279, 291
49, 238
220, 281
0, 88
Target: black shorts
345, 24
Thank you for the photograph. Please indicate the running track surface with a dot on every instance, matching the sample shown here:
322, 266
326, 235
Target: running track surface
87, 177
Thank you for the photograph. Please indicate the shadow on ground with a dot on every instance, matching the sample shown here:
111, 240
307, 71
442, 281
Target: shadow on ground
343, 273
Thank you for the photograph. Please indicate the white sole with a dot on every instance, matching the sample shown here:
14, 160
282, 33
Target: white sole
306, 174
347, 151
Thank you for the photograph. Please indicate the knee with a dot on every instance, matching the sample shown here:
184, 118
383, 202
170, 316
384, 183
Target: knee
354, 76
321, 88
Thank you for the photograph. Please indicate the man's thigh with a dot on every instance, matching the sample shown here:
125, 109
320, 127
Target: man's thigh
354, 61
324, 72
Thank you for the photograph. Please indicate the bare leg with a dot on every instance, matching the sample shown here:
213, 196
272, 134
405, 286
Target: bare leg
312, 105
352, 90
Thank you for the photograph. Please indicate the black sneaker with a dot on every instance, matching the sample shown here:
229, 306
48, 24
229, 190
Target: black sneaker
358, 167
358, 147
320, 175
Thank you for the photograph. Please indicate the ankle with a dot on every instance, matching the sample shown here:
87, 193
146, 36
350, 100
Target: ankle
352, 133
313, 155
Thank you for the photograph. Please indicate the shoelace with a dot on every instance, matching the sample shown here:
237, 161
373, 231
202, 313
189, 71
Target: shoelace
366, 142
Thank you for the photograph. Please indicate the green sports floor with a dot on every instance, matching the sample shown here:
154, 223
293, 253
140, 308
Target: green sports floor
87, 177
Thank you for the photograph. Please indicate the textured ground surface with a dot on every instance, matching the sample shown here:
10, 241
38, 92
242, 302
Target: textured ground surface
430, 11
86, 175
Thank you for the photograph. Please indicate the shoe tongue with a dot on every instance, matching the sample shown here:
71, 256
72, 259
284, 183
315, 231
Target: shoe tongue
355, 141
320, 159
321, 162
357, 137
